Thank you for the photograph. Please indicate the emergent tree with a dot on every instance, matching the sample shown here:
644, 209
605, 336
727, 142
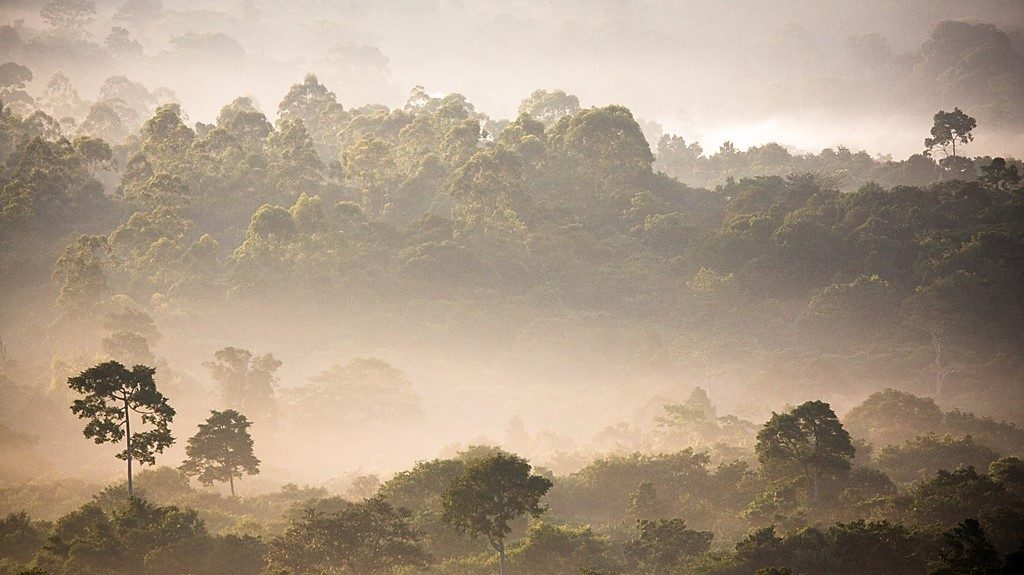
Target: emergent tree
809, 440
112, 392
491, 493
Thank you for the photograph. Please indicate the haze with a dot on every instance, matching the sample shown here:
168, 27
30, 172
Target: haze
391, 243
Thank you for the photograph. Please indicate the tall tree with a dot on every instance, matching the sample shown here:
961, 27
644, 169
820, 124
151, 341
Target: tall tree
221, 450
112, 392
809, 439
490, 494
950, 128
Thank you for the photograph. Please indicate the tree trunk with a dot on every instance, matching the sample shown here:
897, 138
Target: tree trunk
128, 443
231, 482
502, 564
937, 346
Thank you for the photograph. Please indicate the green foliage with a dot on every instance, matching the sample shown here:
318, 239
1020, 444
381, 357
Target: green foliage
68, 16
422, 487
809, 439
1008, 472
921, 457
367, 537
950, 496
663, 545
112, 393
1000, 175
560, 549
785, 271
845, 549
221, 450
603, 490
19, 538
967, 551
137, 537
644, 502
892, 417
490, 493
549, 107
81, 277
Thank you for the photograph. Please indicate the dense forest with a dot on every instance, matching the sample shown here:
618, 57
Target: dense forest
328, 336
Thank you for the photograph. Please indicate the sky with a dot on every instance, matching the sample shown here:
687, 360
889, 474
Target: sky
746, 71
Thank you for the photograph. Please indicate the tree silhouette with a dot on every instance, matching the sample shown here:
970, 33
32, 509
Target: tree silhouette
950, 128
221, 450
112, 392
246, 381
810, 439
490, 493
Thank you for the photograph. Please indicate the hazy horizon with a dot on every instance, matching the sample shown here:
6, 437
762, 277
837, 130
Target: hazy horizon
746, 72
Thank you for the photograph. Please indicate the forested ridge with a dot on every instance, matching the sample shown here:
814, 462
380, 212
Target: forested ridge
323, 338
437, 205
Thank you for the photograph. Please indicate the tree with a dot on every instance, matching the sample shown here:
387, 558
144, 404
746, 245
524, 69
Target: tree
888, 417
921, 457
370, 163
809, 439
13, 78
139, 13
549, 107
1008, 472
243, 120
112, 392
19, 538
1000, 175
490, 493
246, 381
950, 128
360, 538
661, 544
644, 501
221, 450
554, 549
80, 275
120, 42
132, 537
69, 17
318, 109
967, 551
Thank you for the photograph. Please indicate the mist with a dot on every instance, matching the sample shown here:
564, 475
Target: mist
712, 281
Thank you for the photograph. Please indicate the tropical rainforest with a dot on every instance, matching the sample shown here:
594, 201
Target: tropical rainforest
323, 288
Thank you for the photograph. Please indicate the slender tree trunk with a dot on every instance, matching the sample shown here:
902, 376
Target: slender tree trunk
939, 371
231, 482
128, 443
502, 565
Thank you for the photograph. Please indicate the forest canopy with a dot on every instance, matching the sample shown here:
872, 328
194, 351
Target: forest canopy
279, 308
